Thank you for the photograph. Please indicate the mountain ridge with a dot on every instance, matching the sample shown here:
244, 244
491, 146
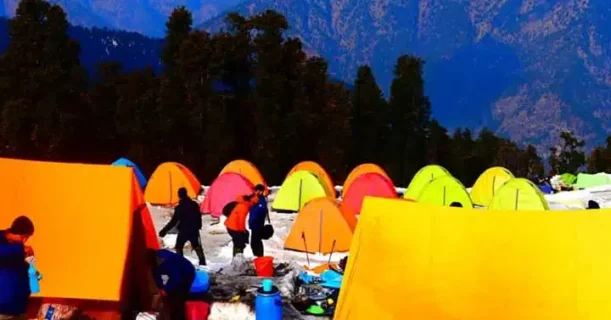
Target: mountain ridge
527, 69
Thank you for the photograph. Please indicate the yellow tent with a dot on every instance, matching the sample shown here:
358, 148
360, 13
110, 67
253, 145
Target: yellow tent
488, 183
422, 178
296, 190
518, 194
445, 190
444, 263
318, 171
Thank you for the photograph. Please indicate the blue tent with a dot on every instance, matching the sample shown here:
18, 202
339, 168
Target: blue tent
126, 163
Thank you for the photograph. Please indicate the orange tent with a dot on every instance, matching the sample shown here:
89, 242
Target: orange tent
317, 170
323, 225
163, 185
360, 170
246, 169
89, 241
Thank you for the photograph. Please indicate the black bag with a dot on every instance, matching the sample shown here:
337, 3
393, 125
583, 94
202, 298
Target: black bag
228, 208
268, 230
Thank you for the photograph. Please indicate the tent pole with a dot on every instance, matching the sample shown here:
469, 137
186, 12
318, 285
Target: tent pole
305, 245
517, 199
300, 189
331, 253
320, 231
171, 189
444, 195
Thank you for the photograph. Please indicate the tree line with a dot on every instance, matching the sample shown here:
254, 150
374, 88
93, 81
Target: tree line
248, 91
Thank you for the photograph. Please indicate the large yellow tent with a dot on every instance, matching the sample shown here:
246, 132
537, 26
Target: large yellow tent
488, 183
296, 190
246, 169
518, 194
361, 170
443, 191
317, 170
89, 238
163, 185
417, 261
324, 225
422, 178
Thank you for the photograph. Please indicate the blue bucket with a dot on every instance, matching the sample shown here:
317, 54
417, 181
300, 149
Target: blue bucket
201, 283
268, 304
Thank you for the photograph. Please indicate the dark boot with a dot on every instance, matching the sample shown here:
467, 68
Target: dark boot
201, 256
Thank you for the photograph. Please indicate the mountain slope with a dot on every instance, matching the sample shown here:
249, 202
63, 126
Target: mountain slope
133, 50
143, 16
527, 68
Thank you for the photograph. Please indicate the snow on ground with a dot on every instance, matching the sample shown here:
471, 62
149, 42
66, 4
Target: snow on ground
217, 243
218, 248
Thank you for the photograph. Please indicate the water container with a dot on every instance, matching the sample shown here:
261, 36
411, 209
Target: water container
268, 303
34, 281
264, 266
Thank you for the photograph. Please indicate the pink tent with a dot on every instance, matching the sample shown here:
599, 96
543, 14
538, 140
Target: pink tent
368, 184
226, 188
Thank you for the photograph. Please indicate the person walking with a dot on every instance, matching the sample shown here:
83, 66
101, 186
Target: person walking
256, 221
188, 220
236, 222
14, 279
180, 272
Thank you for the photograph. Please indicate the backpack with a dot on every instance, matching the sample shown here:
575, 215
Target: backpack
228, 208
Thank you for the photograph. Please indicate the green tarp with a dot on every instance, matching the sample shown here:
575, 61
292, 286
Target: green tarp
568, 178
585, 180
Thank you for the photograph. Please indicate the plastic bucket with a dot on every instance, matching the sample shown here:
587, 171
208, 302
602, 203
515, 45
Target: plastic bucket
264, 266
197, 310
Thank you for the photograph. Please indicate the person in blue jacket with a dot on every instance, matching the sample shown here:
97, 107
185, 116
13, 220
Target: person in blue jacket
14, 280
256, 221
180, 273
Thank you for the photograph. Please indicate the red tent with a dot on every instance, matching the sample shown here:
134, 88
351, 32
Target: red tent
226, 188
368, 184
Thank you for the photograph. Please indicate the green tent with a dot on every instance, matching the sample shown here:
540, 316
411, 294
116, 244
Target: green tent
568, 178
422, 178
443, 191
585, 180
296, 190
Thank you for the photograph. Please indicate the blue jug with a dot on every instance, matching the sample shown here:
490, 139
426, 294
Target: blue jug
268, 303
34, 279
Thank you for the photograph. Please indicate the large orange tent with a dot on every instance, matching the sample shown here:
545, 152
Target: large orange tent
163, 185
324, 225
89, 241
318, 171
368, 184
245, 169
360, 170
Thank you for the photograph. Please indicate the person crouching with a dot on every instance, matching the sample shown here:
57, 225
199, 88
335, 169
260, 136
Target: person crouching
236, 222
180, 273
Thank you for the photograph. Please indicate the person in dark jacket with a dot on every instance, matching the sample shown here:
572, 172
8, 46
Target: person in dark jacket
14, 280
188, 220
180, 273
256, 221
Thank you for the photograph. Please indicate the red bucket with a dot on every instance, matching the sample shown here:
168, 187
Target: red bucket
197, 310
264, 266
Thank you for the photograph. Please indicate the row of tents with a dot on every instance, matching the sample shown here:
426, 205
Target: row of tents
580, 181
496, 188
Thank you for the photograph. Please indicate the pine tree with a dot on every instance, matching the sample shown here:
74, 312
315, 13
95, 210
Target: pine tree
42, 85
369, 118
410, 112
439, 145
569, 156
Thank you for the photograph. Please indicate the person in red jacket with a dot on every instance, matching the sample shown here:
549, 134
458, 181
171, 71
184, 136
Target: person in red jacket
236, 222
